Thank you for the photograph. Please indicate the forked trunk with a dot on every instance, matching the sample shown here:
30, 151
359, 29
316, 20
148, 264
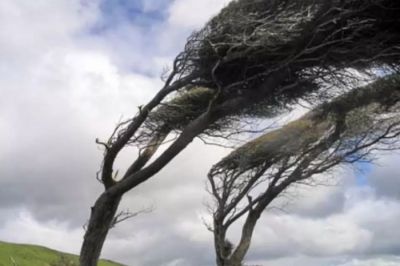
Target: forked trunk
100, 222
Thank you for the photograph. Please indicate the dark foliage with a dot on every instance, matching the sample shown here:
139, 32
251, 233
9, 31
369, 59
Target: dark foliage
305, 43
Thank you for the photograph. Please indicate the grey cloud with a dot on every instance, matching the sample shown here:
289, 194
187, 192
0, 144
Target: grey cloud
155, 239
316, 201
385, 178
366, 226
331, 261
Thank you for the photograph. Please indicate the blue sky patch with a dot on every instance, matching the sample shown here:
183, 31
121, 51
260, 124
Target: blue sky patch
364, 169
135, 12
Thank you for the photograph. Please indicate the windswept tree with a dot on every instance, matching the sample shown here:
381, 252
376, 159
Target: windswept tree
344, 131
252, 59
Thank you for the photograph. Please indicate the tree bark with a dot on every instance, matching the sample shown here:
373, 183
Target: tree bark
241, 250
247, 232
220, 245
101, 219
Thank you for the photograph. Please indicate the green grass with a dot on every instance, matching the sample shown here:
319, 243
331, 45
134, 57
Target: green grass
31, 255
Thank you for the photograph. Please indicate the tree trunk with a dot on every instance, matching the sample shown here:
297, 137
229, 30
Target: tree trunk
247, 232
222, 254
100, 222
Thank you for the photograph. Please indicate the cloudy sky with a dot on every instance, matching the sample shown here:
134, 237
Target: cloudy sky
70, 69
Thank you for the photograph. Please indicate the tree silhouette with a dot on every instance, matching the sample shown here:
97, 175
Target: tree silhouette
344, 131
254, 58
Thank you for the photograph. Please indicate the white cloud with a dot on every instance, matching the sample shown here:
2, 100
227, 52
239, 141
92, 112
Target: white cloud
58, 97
330, 261
34, 28
391, 261
364, 227
177, 262
193, 14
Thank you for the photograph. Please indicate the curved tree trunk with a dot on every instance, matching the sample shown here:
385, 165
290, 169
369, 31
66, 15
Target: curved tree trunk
240, 252
101, 220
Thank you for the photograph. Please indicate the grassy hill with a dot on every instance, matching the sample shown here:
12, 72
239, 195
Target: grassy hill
31, 255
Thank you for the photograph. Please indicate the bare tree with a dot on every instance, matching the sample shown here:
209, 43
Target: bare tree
344, 131
254, 58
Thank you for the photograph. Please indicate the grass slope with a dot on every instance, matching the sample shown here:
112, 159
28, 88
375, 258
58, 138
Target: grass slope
31, 255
